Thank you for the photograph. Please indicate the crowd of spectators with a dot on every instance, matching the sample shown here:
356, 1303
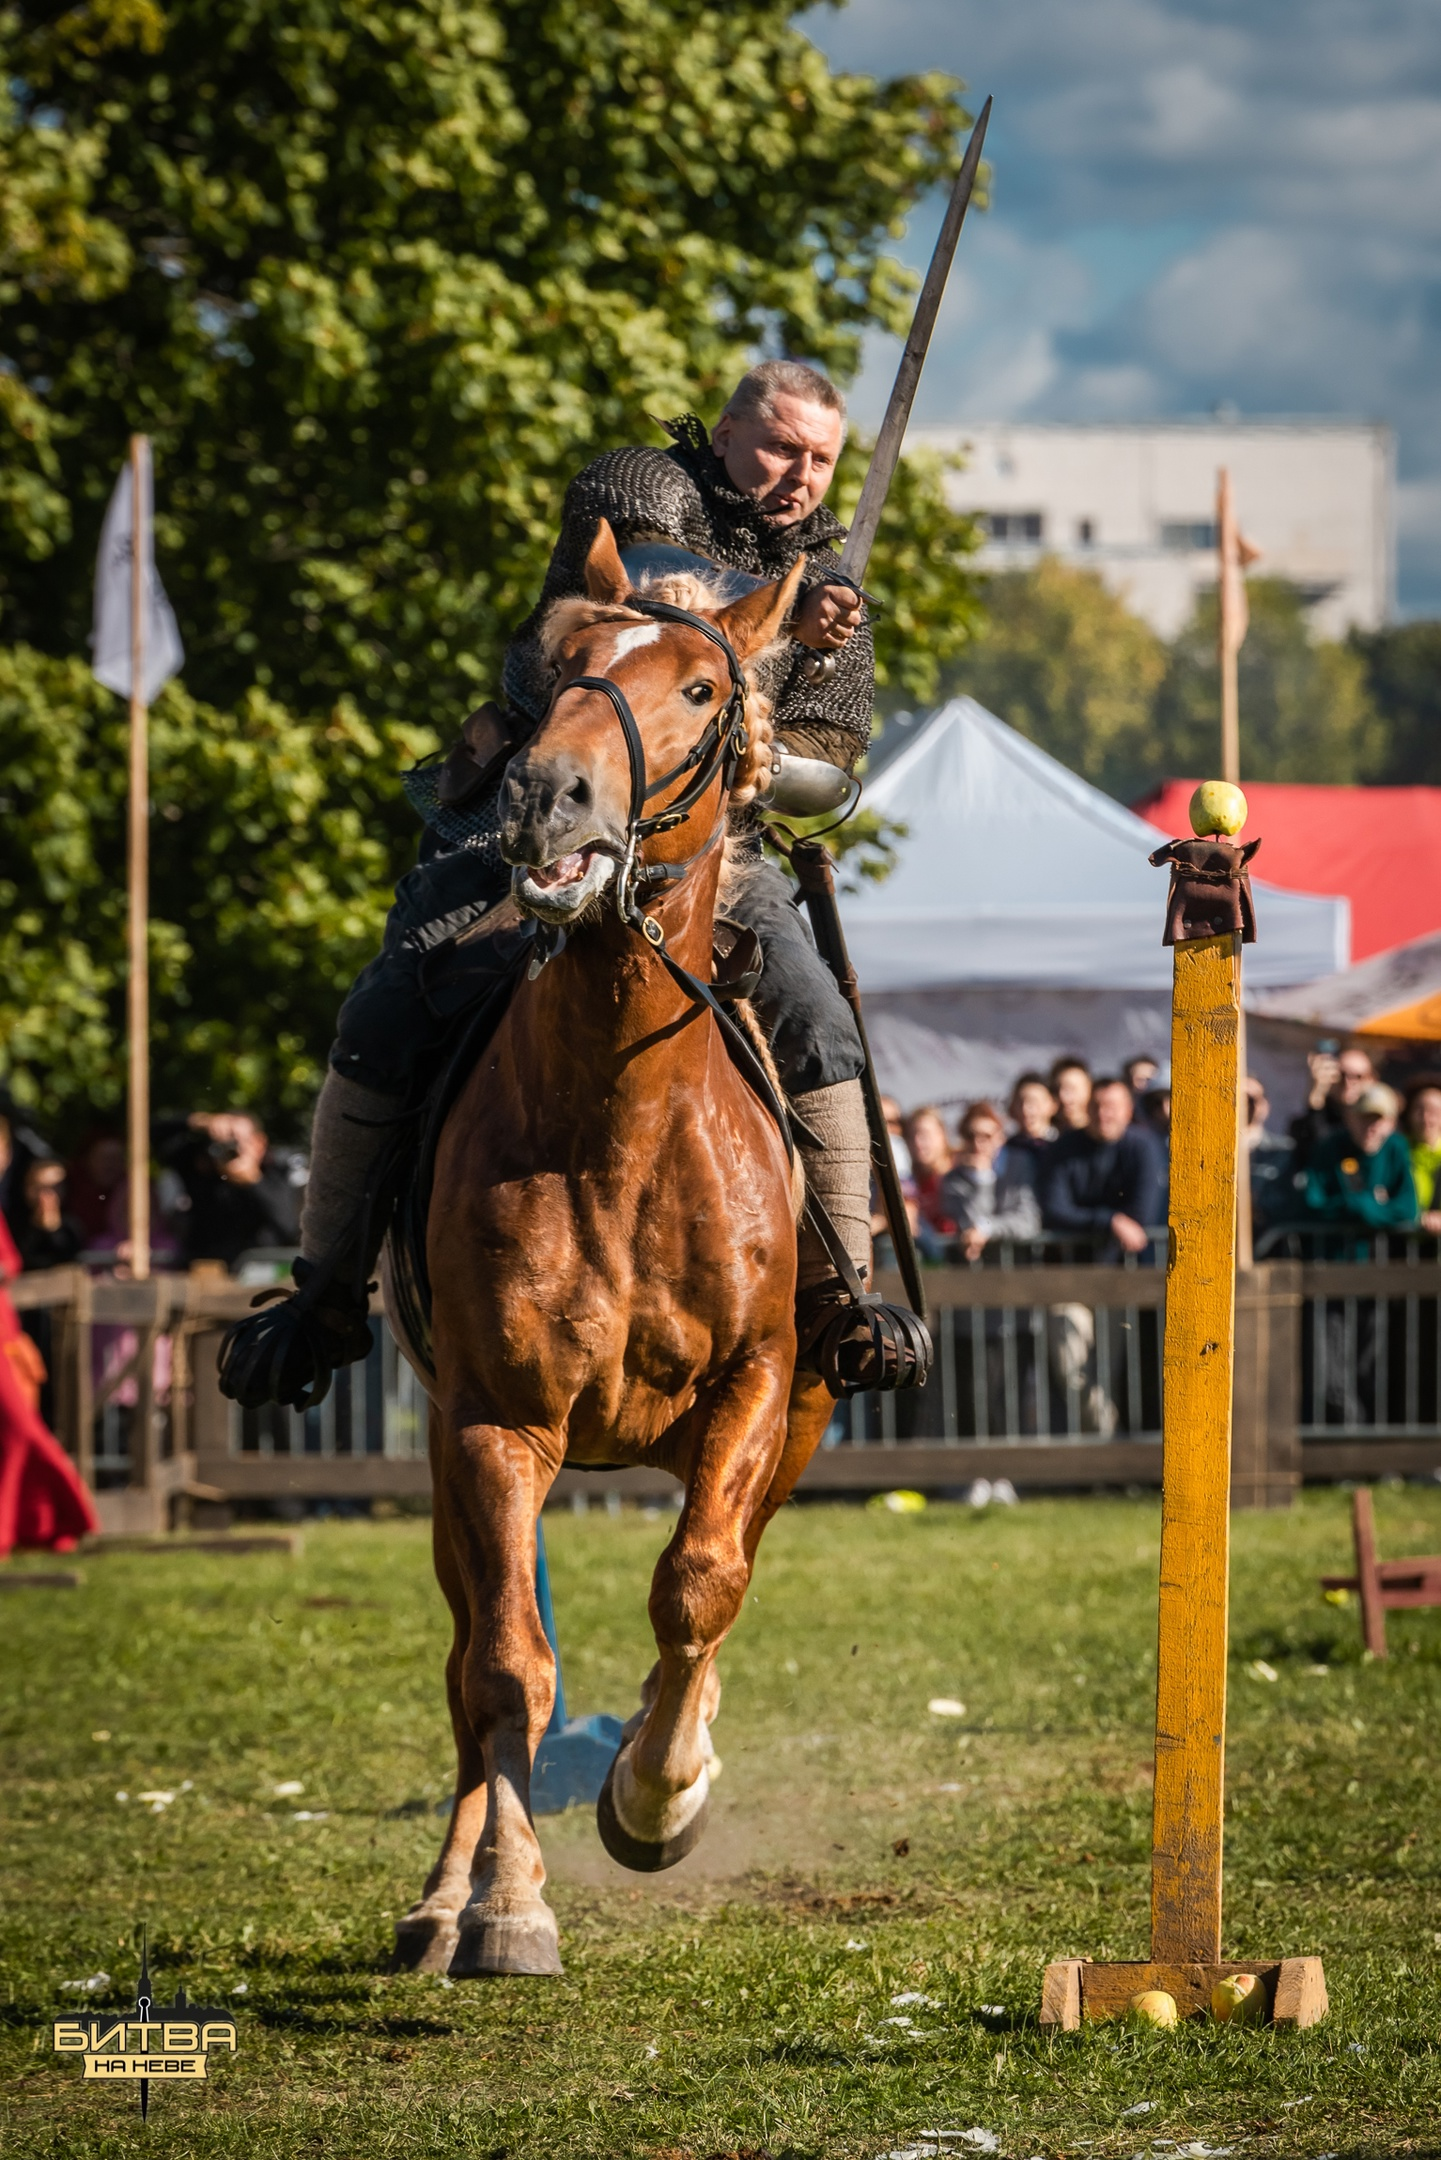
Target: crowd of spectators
1072, 1155
220, 1194
1085, 1158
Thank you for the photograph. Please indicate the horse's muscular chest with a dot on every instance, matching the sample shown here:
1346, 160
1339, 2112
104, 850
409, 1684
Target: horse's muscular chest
611, 1286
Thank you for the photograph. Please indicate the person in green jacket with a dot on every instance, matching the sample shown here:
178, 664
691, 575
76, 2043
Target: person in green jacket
1423, 1130
1360, 1177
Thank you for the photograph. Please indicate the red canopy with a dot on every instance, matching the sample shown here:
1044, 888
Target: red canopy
1381, 846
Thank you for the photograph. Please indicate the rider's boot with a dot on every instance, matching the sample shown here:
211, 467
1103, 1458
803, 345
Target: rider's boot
853, 1342
288, 1350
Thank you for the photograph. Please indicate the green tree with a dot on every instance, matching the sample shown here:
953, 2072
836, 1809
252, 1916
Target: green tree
1064, 662
268, 889
1403, 674
376, 281
1306, 713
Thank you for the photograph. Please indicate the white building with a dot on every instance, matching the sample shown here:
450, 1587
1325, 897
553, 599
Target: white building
1138, 504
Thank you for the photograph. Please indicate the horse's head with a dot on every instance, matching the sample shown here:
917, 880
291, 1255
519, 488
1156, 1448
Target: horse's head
567, 799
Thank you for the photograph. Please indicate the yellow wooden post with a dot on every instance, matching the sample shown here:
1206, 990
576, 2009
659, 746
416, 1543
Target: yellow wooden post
1208, 909
1196, 1491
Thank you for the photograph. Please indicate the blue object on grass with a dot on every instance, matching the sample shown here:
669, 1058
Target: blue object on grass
575, 1754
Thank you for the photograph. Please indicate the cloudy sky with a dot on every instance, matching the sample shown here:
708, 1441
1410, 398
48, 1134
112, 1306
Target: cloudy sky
1195, 202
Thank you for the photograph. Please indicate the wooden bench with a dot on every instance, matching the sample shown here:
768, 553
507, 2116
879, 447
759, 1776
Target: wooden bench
1384, 1585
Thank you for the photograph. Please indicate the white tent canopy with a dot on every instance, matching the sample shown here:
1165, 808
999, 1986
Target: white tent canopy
1015, 871
1023, 920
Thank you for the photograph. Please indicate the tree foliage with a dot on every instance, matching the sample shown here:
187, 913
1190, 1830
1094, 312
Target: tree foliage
1403, 675
1066, 663
268, 889
1305, 711
376, 280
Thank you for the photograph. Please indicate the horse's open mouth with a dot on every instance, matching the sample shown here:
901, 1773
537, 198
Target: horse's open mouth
568, 871
564, 889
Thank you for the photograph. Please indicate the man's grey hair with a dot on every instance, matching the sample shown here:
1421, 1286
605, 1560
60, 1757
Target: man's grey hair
754, 396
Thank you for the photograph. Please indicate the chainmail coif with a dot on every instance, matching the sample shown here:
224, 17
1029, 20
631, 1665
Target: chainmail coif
683, 495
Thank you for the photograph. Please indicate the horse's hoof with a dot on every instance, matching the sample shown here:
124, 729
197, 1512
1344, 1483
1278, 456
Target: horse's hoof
637, 1853
424, 1943
517, 1943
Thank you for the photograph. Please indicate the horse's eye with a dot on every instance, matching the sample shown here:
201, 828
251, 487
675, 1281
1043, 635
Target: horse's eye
699, 693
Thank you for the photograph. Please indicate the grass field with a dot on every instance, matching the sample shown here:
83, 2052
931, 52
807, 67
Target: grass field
861, 1849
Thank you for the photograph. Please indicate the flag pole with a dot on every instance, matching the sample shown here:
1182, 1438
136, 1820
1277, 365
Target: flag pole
138, 996
1229, 633
1229, 643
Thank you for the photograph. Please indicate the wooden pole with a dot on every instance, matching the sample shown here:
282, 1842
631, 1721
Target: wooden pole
1228, 643
1229, 633
1186, 1836
138, 997
1196, 1488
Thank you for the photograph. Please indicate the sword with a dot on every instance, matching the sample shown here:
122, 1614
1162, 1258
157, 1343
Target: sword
810, 860
885, 457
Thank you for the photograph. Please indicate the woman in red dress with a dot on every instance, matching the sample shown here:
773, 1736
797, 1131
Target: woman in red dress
42, 1501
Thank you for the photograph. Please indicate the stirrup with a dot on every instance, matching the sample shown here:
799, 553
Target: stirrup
288, 1352
861, 1345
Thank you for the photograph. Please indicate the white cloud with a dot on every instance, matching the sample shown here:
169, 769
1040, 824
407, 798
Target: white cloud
1195, 201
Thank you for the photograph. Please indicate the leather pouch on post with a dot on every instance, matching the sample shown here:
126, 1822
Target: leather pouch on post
485, 746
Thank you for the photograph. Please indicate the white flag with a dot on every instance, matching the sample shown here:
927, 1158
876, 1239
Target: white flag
1237, 554
161, 648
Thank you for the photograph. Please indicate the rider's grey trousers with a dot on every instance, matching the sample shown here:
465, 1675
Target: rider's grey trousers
388, 1027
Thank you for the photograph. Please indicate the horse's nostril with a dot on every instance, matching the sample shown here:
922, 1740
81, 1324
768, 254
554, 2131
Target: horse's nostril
578, 793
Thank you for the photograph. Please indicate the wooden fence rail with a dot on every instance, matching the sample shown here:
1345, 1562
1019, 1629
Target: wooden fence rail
1046, 1375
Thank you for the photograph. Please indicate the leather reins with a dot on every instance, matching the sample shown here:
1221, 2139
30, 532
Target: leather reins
717, 750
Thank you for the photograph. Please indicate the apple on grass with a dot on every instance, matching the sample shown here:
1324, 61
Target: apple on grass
1239, 2000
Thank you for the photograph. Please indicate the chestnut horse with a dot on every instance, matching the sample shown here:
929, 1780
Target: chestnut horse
612, 1247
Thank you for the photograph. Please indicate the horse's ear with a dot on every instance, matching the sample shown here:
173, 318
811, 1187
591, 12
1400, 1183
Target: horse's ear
751, 623
605, 573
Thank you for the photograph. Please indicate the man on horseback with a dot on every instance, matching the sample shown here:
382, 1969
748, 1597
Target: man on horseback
748, 498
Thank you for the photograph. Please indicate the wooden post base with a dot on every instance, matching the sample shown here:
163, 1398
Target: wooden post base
1076, 1989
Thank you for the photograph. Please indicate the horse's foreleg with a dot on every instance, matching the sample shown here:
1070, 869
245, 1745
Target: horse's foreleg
494, 1487
808, 1413
426, 1936
653, 1808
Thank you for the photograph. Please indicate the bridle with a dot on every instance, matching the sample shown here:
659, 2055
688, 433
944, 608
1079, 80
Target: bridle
717, 750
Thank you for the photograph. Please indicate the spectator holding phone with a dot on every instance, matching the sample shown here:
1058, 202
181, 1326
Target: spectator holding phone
1337, 1079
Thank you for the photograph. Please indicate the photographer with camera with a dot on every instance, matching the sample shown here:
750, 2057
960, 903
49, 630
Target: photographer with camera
239, 1193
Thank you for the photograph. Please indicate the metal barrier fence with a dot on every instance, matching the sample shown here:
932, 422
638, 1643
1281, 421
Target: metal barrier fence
377, 1408
1038, 1344
1048, 1371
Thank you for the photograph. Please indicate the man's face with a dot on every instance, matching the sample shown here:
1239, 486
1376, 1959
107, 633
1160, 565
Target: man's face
1368, 1130
785, 460
1073, 1093
983, 1139
1357, 1072
1110, 1111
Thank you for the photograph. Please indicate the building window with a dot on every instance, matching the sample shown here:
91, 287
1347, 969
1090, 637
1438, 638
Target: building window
1085, 532
1185, 536
1015, 525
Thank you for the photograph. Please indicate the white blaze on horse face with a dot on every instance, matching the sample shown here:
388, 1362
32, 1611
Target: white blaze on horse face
629, 640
